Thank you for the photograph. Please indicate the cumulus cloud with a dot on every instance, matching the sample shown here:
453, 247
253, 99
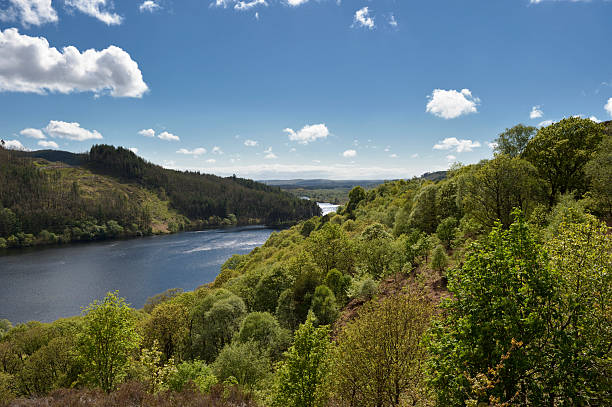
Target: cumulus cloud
271, 156
460, 146
48, 144
195, 152
147, 132
150, 6
536, 112
133, 150
100, 9
217, 150
450, 104
33, 133
250, 143
29, 64
70, 131
295, 3
247, 5
211, 161
608, 107
349, 154
393, 155
14, 145
362, 18
168, 136
595, 119
308, 133
29, 12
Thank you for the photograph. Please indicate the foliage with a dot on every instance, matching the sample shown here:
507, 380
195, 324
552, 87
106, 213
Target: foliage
512, 142
108, 338
243, 361
439, 259
324, 305
194, 371
446, 230
301, 376
160, 298
380, 356
264, 330
423, 215
561, 151
599, 173
268, 289
168, 327
339, 284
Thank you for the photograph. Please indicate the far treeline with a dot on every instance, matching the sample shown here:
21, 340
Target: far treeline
491, 287
54, 197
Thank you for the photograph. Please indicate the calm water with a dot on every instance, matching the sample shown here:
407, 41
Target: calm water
50, 283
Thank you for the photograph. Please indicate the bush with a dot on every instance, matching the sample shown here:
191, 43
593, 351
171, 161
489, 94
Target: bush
197, 371
324, 305
446, 230
243, 361
439, 260
263, 329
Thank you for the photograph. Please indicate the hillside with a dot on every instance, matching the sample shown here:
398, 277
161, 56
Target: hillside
55, 196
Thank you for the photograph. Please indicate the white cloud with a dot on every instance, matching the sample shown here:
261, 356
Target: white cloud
217, 150
271, 156
48, 144
450, 104
29, 64
14, 145
70, 131
150, 6
168, 136
415, 155
250, 143
451, 157
247, 5
147, 132
292, 150
349, 154
29, 12
133, 150
460, 146
492, 145
211, 161
100, 9
195, 152
545, 123
33, 133
295, 3
393, 156
536, 112
257, 15
362, 19
595, 119
308, 133
392, 21
608, 106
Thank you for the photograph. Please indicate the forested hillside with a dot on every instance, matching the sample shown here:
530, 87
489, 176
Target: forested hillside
490, 287
111, 193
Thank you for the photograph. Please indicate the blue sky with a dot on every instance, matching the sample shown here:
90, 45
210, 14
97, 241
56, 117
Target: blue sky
298, 88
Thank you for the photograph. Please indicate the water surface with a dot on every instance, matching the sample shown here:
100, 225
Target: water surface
49, 283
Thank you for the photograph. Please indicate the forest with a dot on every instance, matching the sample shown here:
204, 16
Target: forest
53, 197
489, 287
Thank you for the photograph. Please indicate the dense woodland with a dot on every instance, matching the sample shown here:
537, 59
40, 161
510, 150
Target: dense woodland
110, 192
491, 287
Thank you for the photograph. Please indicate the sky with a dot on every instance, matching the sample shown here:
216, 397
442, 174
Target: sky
281, 89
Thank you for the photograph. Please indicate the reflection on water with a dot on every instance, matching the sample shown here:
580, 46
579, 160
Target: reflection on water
46, 284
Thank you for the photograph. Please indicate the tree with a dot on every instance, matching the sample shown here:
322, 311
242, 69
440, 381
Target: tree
330, 248
356, 195
380, 355
599, 174
560, 151
339, 284
375, 252
270, 286
423, 215
497, 319
301, 376
168, 325
324, 305
264, 330
107, 339
243, 361
439, 259
492, 190
446, 230
512, 142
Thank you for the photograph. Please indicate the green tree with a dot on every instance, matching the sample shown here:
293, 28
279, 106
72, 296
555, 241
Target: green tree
356, 195
330, 248
339, 284
107, 340
446, 231
599, 174
375, 250
499, 314
560, 152
512, 142
491, 191
439, 259
324, 305
423, 215
269, 288
303, 373
168, 326
264, 330
243, 361
380, 356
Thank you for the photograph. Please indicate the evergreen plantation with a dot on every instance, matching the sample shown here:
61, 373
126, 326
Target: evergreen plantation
51, 197
490, 287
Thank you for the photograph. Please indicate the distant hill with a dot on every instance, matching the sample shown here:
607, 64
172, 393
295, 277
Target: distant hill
48, 196
322, 183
